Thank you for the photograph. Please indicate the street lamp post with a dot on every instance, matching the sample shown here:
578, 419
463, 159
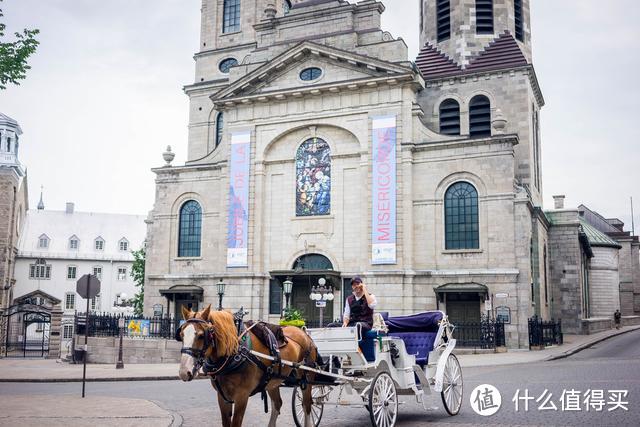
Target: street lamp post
221, 285
321, 294
120, 363
287, 286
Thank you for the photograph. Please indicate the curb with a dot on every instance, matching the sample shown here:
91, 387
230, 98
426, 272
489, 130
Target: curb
89, 380
581, 347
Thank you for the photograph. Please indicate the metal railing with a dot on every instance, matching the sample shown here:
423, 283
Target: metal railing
488, 333
106, 325
544, 333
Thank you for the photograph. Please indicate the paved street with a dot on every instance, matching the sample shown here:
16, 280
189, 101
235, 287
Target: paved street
613, 364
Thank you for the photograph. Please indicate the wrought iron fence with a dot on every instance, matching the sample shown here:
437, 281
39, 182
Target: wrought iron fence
544, 333
106, 325
487, 333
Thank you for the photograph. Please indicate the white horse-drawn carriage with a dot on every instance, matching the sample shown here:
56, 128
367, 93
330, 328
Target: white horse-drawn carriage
404, 355
407, 355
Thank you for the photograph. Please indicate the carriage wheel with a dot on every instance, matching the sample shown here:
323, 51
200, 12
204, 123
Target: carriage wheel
383, 401
317, 405
452, 385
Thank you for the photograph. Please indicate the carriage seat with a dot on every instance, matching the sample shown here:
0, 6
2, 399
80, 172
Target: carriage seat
419, 344
418, 331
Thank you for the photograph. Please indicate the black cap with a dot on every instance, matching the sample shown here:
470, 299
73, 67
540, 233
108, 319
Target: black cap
356, 279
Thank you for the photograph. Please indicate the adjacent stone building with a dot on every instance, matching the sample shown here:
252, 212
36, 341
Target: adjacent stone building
56, 248
13, 205
319, 149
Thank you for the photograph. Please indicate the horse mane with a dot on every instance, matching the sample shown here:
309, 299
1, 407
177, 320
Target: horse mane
225, 333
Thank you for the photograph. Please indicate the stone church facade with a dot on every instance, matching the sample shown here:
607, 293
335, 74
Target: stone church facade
318, 148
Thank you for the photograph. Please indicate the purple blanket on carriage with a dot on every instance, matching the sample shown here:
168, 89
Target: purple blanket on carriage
418, 331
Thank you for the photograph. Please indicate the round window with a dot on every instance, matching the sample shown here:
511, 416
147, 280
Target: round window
227, 63
311, 73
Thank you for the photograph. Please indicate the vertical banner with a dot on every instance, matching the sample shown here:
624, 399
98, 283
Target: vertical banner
238, 226
383, 217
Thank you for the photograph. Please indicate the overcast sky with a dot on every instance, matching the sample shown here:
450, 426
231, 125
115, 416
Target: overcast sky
104, 97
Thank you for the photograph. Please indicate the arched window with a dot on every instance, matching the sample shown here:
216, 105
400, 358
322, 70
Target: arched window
231, 16
517, 6
484, 16
450, 117
479, 116
313, 262
443, 19
226, 64
313, 178
219, 125
190, 229
286, 6
461, 217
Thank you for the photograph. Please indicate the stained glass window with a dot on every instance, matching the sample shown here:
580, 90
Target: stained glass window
461, 217
313, 178
190, 229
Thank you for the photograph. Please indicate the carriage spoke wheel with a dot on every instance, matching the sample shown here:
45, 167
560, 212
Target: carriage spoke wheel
452, 386
383, 401
317, 405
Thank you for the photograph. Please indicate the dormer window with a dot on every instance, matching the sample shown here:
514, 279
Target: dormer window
226, 64
123, 245
74, 243
99, 244
310, 74
43, 242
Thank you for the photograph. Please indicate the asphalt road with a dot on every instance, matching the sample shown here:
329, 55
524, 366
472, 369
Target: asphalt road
611, 365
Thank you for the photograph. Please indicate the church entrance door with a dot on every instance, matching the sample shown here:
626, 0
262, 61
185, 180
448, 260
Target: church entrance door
300, 300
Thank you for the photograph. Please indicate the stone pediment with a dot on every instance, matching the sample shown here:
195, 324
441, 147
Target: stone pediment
279, 78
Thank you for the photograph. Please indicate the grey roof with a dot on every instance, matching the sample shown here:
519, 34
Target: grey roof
59, 226
9, 122
596, 237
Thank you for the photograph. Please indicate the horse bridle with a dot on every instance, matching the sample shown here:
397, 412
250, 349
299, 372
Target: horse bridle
197, 353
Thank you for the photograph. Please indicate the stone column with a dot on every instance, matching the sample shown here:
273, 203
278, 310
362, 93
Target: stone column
55, 332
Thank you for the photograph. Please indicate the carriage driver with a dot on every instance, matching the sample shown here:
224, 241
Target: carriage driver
359, 306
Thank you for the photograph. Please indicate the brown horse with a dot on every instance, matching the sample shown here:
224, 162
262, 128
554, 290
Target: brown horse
212, 335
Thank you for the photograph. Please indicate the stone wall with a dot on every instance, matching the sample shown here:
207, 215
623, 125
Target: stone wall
566, 278
134, 350
604, 282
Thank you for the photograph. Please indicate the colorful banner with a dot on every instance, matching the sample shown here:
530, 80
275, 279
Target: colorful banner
383, 217
238, 225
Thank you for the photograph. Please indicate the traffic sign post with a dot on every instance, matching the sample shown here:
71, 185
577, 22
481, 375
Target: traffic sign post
88, 286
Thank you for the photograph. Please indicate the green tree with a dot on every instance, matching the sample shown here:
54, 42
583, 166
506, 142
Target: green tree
137, 272
14, 55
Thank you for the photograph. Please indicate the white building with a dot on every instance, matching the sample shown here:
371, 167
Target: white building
56, 248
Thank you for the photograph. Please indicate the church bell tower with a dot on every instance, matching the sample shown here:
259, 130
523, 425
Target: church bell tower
462, 28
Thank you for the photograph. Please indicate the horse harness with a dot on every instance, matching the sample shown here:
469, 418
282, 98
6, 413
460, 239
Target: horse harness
229, 364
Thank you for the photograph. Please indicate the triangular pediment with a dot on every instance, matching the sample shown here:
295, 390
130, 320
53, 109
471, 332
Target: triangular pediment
339, 68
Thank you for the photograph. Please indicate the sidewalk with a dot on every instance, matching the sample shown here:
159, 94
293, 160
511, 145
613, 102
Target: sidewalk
48, 370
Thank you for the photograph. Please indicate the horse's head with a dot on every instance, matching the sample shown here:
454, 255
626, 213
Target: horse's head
205, 334
197, 337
